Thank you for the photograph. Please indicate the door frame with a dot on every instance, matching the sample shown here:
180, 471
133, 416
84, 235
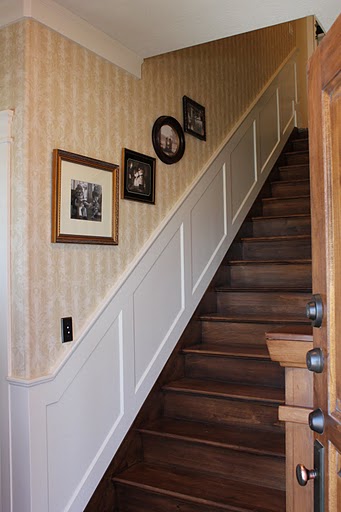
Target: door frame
6, 118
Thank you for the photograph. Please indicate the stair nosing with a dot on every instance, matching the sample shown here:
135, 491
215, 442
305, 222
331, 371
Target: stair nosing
192, 390
265, 289
286, 182
285, 198
211, 352
215, 317
288, 216
275, 238
224, 445
292, 166
306, 261
298, 152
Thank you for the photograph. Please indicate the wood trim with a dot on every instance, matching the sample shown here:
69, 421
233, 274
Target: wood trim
294, 414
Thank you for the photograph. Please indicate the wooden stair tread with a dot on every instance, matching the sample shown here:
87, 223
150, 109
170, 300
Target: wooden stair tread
287, 182
292, 166
227, 390
299, 333
263, 289
286, 216
262, 442
282, 238
268, 262
196, 487
240, 351
216, 317
286, 198
298, 152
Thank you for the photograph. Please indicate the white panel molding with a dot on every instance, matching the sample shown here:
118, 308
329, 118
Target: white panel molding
6, 118
62, 20
174, 246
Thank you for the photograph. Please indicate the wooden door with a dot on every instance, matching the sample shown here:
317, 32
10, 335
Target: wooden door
324, 78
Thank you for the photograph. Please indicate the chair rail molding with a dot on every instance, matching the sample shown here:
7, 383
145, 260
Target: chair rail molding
6, 117
66, 428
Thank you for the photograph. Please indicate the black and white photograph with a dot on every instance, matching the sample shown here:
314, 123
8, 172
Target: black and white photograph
194, 118
85, 197
168, 139
86, 201
138, 177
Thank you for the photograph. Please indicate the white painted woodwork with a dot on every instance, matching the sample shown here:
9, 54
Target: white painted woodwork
5, 318
66, 428
288, 90
122, 32
208, 226
269, 129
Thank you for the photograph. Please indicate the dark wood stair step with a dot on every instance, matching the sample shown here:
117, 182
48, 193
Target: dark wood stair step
297, 157
253, 319
221, 459
191, 491
290, 188
274, 248
243, 351
286, 205
241, 439
249, 371
220, 330
264, 394
281, 225
300, 144
294, 172
265, 273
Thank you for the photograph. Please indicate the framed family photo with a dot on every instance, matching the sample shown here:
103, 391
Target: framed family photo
194, 118
168, 139
84, 199
138, 182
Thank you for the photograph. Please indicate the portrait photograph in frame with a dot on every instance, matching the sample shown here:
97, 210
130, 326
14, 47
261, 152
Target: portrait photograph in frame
168, 139
85, 195
138, 183
194, 118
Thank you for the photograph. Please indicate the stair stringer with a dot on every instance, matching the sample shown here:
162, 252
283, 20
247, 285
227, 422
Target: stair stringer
75, 419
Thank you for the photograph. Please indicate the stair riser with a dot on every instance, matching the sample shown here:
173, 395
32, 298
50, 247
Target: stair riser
297, 158
135, 500
225, 462
253, 372
284, 226
237, 333
273, 305
299, 172
277, 250
221, 411
268, 274
293, 189
300, 145
290, 206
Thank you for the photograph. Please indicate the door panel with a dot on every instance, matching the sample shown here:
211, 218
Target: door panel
325, 148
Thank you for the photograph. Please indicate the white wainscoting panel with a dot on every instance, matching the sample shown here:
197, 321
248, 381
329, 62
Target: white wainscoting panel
269, 129
287, 95
243, 165
158, 302
84, 415
208, 226
66, 428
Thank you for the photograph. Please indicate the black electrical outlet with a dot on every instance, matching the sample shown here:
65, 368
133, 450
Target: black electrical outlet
67, 334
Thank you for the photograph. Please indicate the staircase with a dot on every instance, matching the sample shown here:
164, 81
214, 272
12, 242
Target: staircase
208, 438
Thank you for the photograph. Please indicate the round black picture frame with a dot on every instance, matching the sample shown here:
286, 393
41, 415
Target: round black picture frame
168, 139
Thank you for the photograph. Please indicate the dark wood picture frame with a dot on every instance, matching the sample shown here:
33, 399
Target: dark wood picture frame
168, 139
138, 183
194, 118
85, 195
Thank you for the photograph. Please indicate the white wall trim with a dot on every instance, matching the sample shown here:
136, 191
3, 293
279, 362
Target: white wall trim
6, 117
66, 432
73, 27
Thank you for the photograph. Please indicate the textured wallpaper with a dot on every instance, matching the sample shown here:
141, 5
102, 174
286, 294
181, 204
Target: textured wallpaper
66, 97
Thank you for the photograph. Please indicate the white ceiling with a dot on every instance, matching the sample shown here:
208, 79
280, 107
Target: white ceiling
151, 27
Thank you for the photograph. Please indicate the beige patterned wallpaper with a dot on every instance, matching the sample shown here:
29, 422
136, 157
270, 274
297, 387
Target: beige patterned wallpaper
66, 97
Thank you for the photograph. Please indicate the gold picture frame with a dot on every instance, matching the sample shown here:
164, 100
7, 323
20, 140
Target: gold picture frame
85, 199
